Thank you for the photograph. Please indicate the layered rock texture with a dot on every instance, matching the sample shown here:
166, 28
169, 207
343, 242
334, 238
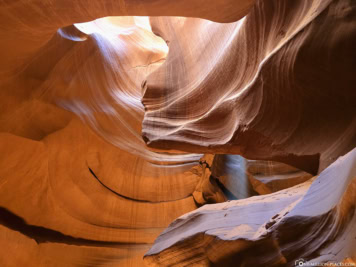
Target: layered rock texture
266, 87
313, 221
237, 117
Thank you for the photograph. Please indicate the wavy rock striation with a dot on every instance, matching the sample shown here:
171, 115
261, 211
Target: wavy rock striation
269, 80
314, 221
276, 85
67, 197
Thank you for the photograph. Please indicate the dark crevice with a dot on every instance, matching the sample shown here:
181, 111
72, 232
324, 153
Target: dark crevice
44, 235
108, 188
205, 163
229, 195
129, 198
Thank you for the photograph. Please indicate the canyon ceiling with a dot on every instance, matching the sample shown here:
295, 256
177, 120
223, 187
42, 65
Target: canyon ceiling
177, 133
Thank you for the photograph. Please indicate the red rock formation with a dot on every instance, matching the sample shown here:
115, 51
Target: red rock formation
269, 80
314, 221
278, 84
67, 197
244, 178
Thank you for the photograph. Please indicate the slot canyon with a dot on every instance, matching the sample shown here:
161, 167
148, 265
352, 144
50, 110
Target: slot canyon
177, 133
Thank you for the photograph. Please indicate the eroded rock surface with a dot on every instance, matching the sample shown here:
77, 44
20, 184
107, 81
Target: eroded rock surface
69, 197
314, 221
271, 80
240, 178
276, 85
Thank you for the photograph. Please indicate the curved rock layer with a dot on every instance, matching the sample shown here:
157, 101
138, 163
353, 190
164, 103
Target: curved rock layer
67, 197
73, 199
46, 60
313, 221
277, 85
79, 186
33, 22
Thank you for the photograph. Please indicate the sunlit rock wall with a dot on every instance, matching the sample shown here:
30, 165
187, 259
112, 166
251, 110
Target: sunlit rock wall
80, 100
313, 221
278, 84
